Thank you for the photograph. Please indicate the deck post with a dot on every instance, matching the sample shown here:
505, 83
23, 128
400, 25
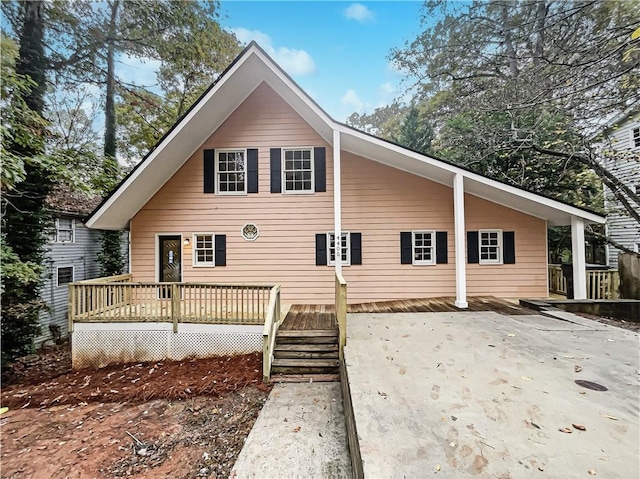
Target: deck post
71, 310
175, 305
460, 241
341, 312
579, 258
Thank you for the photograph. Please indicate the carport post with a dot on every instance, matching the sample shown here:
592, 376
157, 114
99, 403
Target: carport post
458, 216
578, 255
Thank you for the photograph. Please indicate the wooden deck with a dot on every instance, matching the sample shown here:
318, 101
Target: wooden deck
322, 317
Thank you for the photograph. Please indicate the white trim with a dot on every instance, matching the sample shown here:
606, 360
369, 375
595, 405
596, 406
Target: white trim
73, 231
255, 62
590, 217
338, 250
283, 171
500, 255
194, 260
157, 254
432, 261
337, 194
73, 274
217, 171
170, 137
460, 242
579, 258
546, 241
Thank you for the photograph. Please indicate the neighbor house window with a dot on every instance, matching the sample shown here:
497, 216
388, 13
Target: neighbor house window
231, 172
64, 275
490, 246
635, 137
65, 230
345, 252
297, 170
203, 249
424, 246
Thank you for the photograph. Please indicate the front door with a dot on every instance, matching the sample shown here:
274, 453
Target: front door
170, 260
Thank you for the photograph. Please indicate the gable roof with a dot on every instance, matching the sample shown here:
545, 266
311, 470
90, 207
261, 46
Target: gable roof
251, 68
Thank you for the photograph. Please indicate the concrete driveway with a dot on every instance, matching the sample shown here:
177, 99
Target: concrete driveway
485, 395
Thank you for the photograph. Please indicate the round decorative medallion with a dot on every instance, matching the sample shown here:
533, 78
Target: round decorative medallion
250, 232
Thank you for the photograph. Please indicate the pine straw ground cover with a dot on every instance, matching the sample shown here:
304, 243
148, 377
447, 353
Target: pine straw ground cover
177, 419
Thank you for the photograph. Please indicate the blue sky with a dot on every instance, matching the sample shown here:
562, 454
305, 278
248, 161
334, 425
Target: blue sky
336, 51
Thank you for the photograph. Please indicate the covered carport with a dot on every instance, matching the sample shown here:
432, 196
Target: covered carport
483, 394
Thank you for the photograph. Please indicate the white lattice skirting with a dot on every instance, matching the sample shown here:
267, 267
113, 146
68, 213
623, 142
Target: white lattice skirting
95, 345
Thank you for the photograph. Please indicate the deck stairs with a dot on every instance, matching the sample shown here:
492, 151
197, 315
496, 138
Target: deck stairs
306, 356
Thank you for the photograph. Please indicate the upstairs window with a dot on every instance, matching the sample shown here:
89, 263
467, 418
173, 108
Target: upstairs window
345, 251
635, 137
297, 170
231, 172
65, 230
490, 246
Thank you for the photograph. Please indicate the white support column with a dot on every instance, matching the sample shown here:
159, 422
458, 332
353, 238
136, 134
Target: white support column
579, 261
460, 241
337, 201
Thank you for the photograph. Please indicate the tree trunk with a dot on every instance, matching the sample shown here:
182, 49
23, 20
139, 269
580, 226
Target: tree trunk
110, 107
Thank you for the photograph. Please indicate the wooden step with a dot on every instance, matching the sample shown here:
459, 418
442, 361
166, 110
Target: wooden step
326, 340
305, 363
309, 333
305, 378
320, 348
289, 354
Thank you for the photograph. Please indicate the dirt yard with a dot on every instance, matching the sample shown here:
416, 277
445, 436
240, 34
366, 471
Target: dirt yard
181, 419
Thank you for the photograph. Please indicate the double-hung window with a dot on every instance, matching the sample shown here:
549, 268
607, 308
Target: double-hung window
65, 230
231, 172
297, 170
424, 247
203, 249
635, 137
345, 251
490, 246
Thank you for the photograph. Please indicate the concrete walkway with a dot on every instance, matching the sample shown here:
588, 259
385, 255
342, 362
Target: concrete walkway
300, 432
485, 395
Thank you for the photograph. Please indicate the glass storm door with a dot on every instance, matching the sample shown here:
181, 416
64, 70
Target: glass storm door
170, 260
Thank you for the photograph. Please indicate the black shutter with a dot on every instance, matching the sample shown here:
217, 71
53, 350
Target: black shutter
276, 170
252, 170
320, 169
321, 249
209, 171
356, 248
406, 248
472, 247
441, 247
509, 247
221, 250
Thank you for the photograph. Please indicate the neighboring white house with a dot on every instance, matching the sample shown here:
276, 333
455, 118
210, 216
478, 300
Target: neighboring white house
621, 152
72, 255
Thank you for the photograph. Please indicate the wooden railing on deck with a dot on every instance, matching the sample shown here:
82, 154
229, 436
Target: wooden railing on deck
116, 300
341, 311
601, 284
271, 324
557, 282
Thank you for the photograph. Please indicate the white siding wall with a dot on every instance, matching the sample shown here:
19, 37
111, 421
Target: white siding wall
626, 166
82, 255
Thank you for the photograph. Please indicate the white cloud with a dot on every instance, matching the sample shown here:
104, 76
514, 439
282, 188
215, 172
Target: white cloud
352, 100
293, 61
386, 93
359, 13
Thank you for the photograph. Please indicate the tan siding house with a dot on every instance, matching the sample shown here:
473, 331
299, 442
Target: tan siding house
242, 190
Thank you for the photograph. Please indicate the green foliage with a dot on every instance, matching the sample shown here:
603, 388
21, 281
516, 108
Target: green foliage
384, 121
26, 181
110, 255
416, 132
